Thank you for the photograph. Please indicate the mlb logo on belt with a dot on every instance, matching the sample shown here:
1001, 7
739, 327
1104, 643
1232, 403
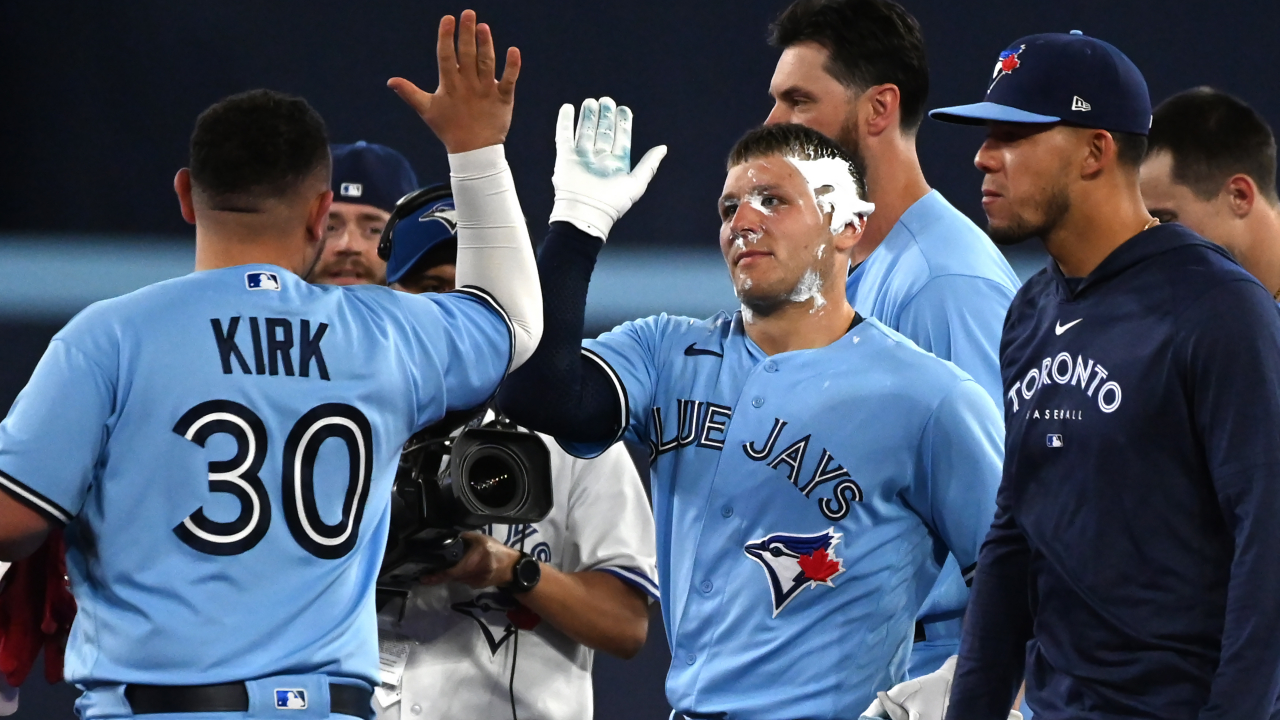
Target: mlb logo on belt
294, 699
262, 281
351, 190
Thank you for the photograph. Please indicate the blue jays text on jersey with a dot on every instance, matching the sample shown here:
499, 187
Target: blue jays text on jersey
221, 446
1141, 404
804, 503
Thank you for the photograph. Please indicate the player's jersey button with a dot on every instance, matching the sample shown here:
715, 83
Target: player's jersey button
771, 366
690, 659
727, 511
757, 402
416, 709
707, 586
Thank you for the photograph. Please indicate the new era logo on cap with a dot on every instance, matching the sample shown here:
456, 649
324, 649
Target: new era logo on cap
1081, 105
351, 190
291, 699
262, 281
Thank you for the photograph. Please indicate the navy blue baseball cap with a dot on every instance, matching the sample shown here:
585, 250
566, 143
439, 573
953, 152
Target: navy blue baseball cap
1061, 77
369, 174
433, 227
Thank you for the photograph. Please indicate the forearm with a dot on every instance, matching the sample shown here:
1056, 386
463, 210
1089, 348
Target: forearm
1248, 675
996, 629
494, 251
559, 391
22, 530
593, 608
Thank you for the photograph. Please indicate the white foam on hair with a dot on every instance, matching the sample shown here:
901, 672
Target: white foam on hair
834, 191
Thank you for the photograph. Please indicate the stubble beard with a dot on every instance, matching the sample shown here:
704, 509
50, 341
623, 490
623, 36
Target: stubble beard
1053, 209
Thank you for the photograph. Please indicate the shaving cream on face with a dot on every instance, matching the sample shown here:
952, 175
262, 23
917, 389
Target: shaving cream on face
834, 191
809, 288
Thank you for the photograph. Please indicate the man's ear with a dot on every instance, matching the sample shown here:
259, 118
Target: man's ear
318, 215
885, 103
1241, 193
182, 186
847, 239
1100, 152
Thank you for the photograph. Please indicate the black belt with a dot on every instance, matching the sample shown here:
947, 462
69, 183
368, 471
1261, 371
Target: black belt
232, 697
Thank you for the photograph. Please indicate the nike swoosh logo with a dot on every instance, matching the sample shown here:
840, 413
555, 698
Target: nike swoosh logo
691, 351
1059, 328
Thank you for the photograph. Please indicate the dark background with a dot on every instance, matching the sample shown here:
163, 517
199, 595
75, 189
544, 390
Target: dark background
97, 101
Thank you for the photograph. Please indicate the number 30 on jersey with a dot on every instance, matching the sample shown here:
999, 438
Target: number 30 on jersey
239, 477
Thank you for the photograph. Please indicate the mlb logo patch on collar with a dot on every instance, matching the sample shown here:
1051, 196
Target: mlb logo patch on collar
262, 281
291, 699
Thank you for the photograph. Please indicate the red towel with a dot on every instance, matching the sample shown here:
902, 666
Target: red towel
36, 610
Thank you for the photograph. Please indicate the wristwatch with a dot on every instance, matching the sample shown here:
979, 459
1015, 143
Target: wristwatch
524, 575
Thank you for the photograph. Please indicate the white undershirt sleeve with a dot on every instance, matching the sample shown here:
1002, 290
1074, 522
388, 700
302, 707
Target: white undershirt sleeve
494, 251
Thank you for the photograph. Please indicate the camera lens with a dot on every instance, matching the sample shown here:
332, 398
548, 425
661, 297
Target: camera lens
494, 479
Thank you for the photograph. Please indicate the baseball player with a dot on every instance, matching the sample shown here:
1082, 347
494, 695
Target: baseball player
1130, 568
476, 644
220, 446
367, 181
1211, 165
855, 70
811, 467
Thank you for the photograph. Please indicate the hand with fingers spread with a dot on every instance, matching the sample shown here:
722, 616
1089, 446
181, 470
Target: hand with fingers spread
593, 178
470, 109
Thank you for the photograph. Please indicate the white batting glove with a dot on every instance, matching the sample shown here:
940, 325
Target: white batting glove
924, 698
593, 178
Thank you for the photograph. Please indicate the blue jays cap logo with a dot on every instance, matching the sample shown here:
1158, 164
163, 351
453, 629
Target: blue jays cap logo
1008, 62
795, 562
262, 281
291, 699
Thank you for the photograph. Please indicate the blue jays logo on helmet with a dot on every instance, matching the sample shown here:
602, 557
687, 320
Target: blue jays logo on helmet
795, 562
442, 212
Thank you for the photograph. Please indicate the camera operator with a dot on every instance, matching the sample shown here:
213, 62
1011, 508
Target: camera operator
456, 641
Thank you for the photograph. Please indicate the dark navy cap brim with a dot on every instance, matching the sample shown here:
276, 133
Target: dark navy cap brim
984, 112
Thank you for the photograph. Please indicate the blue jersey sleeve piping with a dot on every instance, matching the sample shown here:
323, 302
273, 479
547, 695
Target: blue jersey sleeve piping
24, 494
485, 298
623, 401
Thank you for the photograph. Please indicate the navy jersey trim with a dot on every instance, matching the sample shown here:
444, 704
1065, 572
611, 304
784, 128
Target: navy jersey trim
23, 493
968, 574
634, 577
483, 296
622, 393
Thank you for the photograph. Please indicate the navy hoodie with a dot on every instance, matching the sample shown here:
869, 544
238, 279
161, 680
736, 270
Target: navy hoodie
1134, 561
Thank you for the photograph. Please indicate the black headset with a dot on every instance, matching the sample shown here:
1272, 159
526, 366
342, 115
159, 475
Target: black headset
407, 206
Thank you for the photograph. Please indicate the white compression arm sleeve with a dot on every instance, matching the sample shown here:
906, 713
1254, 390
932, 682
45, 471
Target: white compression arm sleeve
494, 251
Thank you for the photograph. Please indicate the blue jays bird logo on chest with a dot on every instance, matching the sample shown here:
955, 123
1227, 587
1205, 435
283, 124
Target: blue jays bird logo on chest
795, 562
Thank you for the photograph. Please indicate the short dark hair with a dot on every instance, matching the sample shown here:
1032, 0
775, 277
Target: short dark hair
1212, 136
1131, 148
871, 42
257, 145
793, 141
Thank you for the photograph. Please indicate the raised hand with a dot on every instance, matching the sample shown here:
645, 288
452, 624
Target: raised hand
470, 109
593, 178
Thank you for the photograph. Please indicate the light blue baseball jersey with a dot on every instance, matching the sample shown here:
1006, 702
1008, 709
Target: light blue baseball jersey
222, 448
940, 281
804, 504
